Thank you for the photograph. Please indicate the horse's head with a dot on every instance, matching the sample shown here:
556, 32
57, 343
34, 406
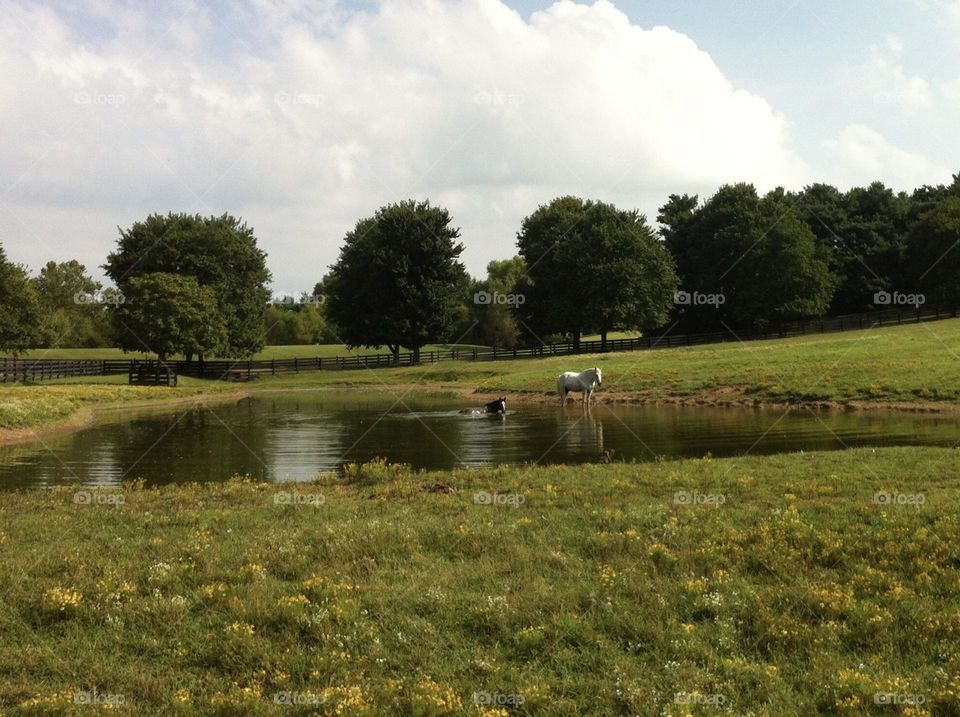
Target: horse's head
599, 376
498, 406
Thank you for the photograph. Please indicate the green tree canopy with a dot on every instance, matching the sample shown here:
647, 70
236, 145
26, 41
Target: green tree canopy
398, 281
757, 255
593, 268
219, 252
169, 314
934, 253
20, 317
74, 307
495, 321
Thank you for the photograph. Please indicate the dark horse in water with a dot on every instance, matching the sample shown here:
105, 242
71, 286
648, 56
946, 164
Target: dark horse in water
498, 406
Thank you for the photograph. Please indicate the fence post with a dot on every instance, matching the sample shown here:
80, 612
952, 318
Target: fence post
296, 366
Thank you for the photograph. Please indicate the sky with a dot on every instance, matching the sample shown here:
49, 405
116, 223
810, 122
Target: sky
303, 117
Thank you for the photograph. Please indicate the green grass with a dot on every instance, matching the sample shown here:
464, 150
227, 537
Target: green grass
596, 594
912, 364
32, 406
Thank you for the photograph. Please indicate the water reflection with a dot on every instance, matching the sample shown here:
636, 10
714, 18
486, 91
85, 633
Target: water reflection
295, 436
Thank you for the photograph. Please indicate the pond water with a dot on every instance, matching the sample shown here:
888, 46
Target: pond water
295, 436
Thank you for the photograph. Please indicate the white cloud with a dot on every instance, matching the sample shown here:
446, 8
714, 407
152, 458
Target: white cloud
860, 154
883, 81
304, 117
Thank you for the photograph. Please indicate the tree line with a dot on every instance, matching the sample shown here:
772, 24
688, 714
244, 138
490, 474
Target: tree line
199, 286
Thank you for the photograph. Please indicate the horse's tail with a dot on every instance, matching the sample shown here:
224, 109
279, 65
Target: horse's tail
560, 385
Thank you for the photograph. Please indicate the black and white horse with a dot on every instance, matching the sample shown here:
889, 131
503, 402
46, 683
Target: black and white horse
498, 406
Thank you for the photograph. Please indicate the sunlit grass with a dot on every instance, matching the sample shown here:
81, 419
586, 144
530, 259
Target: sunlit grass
912, 363
781, 587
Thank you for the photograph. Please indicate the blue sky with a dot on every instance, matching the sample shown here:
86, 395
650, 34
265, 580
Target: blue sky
302, 117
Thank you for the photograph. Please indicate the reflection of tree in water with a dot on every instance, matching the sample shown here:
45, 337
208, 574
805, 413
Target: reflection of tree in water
428, 441
195, 446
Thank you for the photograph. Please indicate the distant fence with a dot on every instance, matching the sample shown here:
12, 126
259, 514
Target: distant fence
45, 369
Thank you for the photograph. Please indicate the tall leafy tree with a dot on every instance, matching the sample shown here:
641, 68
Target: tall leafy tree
398, 282
74, 308
934, 252
219, 252
593, 268
169, 314
757, 255
496, 322
871, 246
19, 308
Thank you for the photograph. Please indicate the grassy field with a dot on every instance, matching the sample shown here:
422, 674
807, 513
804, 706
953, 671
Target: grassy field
912, 365
784, 585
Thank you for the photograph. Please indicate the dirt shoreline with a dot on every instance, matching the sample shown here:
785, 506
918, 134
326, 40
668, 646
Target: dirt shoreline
728, 398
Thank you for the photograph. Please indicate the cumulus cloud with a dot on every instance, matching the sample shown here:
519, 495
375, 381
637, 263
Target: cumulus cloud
303, 117
860, 151
883, 81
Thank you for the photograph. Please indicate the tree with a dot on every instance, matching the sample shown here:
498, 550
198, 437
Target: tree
20, 316
495, 321
219, 252
678, 209
301, 322
871, 251
169, 314
74, 307
397, 281
593, 268
753, 260
934, 252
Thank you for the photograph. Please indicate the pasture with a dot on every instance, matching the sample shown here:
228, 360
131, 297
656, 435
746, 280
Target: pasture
763, 586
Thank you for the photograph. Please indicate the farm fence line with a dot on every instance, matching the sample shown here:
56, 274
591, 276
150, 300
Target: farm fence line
41, 369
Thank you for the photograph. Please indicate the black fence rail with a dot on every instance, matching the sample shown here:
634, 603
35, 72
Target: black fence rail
45, 369
33, 370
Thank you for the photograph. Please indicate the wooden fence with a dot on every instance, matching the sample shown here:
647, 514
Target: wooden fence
32, 370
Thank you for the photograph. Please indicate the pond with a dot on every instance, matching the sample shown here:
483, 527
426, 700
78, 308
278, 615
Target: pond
295, 436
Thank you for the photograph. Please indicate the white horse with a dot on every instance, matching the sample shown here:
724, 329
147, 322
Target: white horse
581, 382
